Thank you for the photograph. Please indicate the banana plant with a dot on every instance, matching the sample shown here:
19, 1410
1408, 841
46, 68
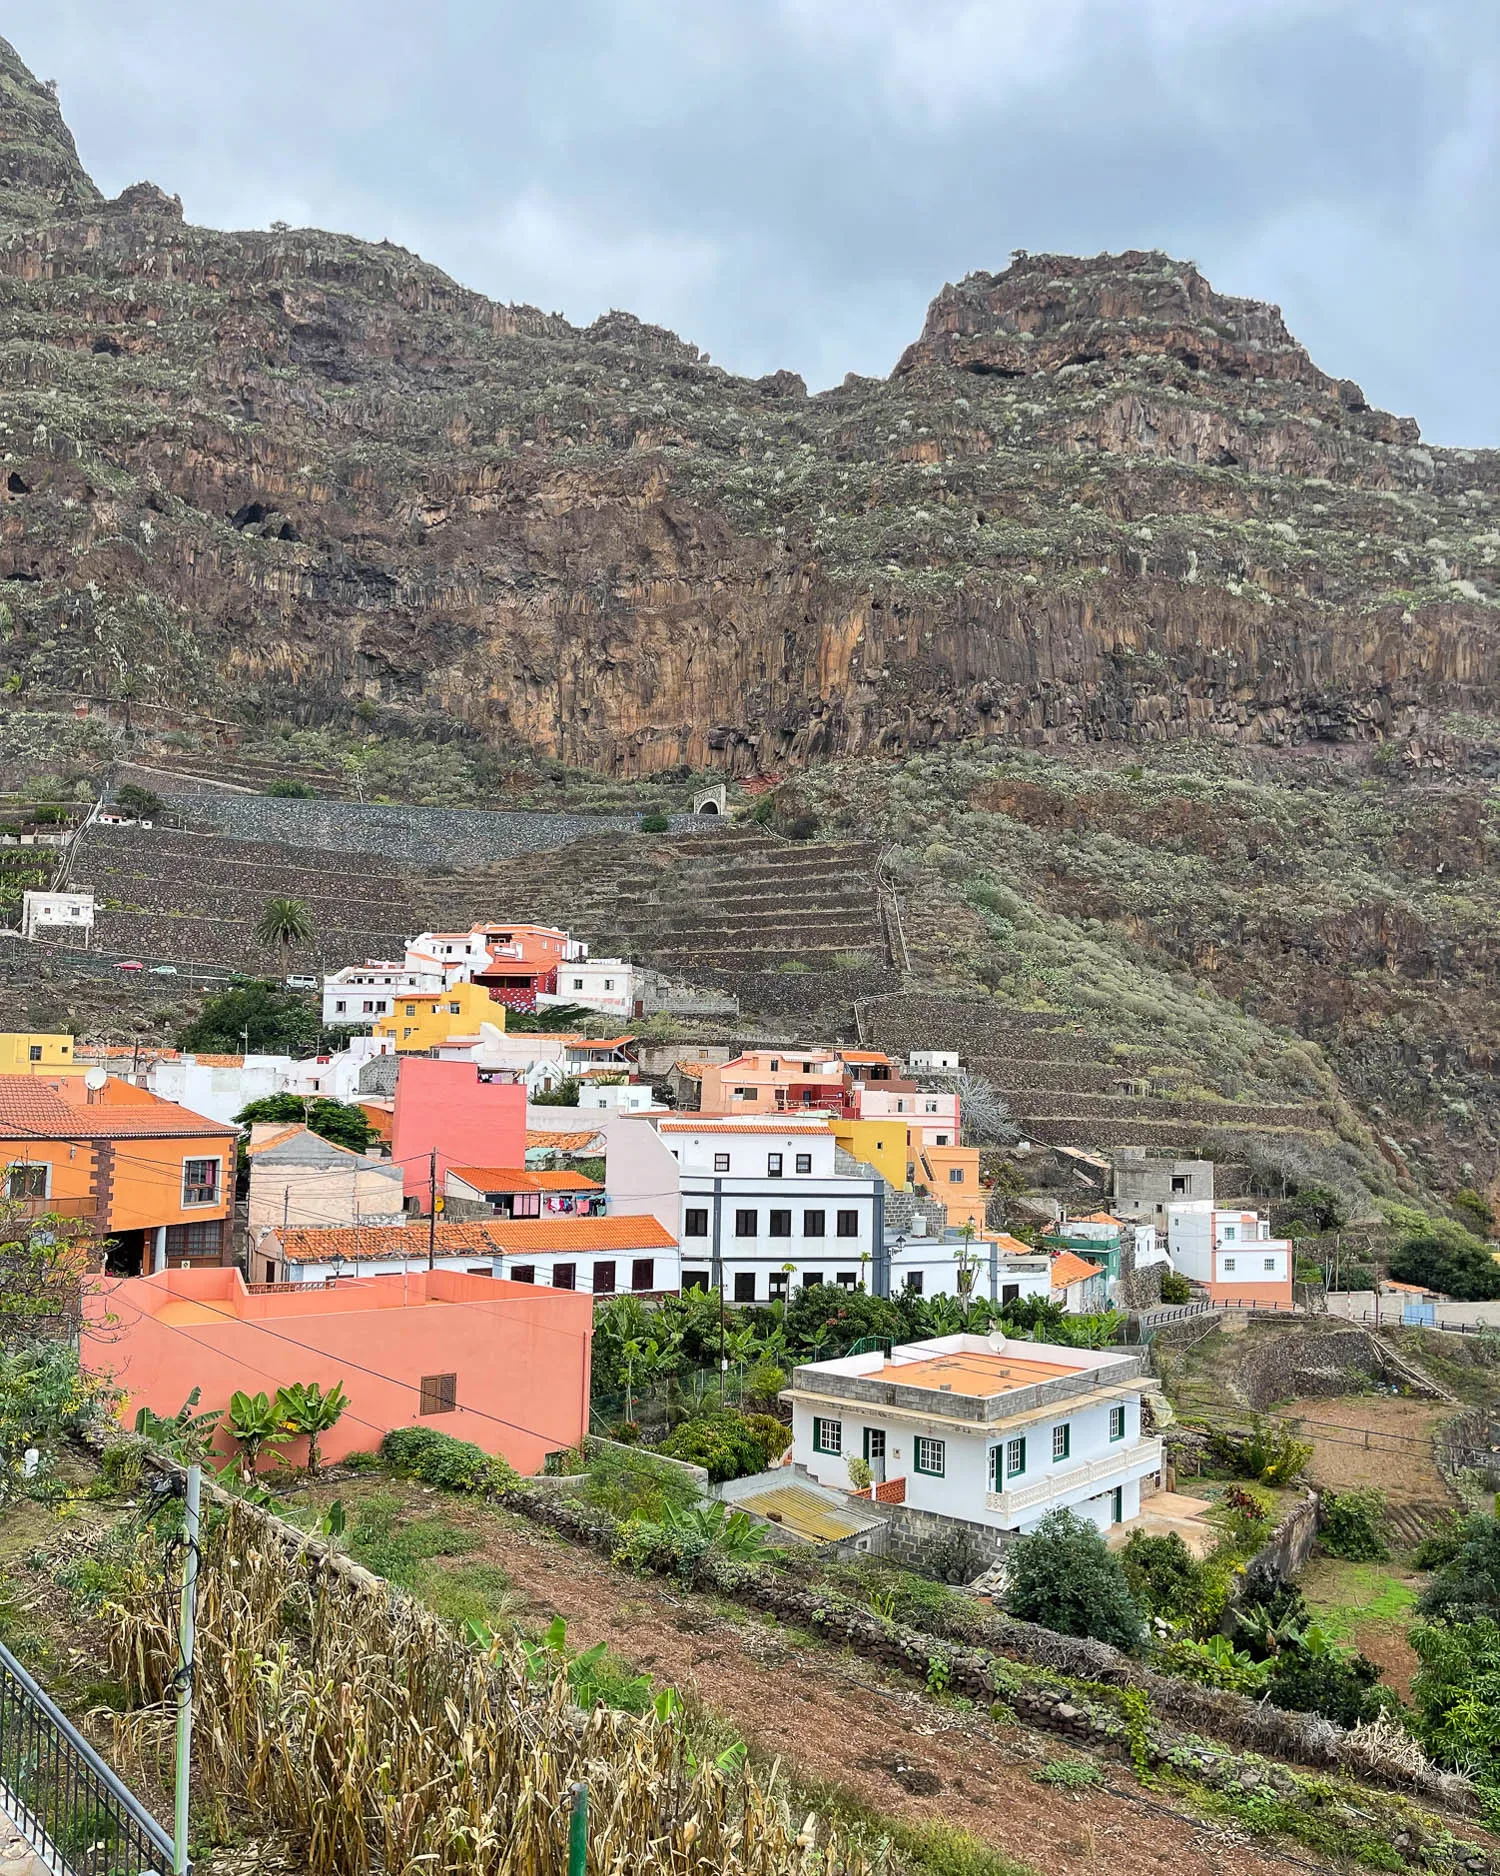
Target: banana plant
256, 1421
303, 1409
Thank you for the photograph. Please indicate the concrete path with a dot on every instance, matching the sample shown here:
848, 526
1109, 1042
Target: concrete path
16, 1855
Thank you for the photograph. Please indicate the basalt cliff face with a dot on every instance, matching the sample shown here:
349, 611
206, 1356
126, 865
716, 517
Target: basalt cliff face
292, 473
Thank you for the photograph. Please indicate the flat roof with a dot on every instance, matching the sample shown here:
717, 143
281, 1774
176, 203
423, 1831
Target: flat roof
968, 1373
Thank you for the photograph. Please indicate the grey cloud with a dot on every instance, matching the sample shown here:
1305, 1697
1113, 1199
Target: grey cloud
788, 182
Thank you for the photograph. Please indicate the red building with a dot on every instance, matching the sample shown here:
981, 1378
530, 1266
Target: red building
451, 1114
523, 962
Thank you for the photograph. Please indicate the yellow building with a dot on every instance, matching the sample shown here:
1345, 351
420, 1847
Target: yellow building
883, 1144
422, 1019
38, 1055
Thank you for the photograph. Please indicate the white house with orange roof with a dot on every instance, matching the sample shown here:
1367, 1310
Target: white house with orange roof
1231, 1253
982, 1429
359, 994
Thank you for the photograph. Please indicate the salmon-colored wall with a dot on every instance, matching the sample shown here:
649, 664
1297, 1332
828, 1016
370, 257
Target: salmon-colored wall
521, 1353
444, 1105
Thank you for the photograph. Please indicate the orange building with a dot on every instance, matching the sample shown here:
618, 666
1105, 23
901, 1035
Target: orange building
155, 1179
505, 1365
770, 1081
951, 1175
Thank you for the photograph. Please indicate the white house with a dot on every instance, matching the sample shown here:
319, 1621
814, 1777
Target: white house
980, 1428
1231, 1254
606, 984
933, 1062
219, 1085
1002, 1269
765, 1208
52, 912
622, 1097
360, 992
335, 1077
933, 1111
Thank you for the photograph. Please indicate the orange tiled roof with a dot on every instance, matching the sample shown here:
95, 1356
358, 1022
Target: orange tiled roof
31, 1110
522, 1179
617, 1233
577, 1142
361, 1243
219, 1061
602, 1042
1407, 1289
275, 1139
1066, 1269
1013, 1247
863, 1055
1098, 1218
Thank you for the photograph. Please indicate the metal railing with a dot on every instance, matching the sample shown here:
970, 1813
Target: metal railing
64, 1799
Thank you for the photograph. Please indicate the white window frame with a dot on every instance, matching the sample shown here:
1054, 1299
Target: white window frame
824, 1429
216, 1198
29, 1166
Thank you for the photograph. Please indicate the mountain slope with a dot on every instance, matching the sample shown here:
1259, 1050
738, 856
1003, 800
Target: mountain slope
283, 473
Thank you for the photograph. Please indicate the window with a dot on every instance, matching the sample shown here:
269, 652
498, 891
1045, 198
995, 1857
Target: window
1179, 1182
813, 1224
828, 1436
721, 1162
369, 1006
204, 1240
1270, 1263
695, 1279
411, 1010
811, 1278
406, 1031
200, 1182
807, 1068
340, 1008
1015, 1457
744, 1094
942, 1139
455, 1009
1117, 1423
913, 1283
27, 1181
1228, 1237
847, 1279
804, 1162
604, 1277
1062, 1441
746, 1223
695, 1222
1009, 1293
578, 983
609, 983
565, 1276
955, 1175
35, 1052
848, 1224
781, 1224
523, 1273
439, 1394
931, 1457
778, 1284
773, 1165
775, 1065
643, 1273
744, 1286
1229, 1263
930, 1107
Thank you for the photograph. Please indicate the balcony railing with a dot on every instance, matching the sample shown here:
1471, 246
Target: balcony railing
52, 1208
65, 1800
1142, 1455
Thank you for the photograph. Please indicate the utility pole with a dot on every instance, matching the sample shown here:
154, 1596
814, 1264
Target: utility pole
186, 1668
432, 1209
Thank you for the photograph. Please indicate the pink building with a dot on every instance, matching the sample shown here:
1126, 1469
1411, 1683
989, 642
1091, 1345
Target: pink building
932, 1113
505, 1365
466, 1115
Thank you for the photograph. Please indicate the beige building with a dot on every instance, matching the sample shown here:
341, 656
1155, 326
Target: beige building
298, 1179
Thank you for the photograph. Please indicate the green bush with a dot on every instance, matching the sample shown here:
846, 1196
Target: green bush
1242, 1517
1457, 1698
1326, 1681
720, 1440
635, 1484
1450, 1260
1175, 1288
1164, 1576
439, 1459
1465, 1585
654, 823
1351, 1526
1063, 1577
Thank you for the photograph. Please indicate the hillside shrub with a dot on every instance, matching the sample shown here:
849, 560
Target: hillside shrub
1456, 1694
654, 823
1063, 1577
1465, 1585
1450, 1260
1351, 1526
1164, 1576
722, 1441
285, 788
1324, 1680
439, 1459
1175, 1288
635, 1484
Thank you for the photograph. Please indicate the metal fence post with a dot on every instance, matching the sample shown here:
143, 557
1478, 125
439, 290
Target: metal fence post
578, 1829
185, 1673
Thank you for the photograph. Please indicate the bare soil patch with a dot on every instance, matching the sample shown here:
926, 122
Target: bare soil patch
1378, 1441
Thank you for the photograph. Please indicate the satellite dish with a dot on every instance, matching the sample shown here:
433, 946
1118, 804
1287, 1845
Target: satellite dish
96, 1078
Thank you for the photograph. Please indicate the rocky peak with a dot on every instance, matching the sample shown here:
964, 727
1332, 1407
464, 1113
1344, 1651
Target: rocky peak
145, 198
41, 178
1133, 314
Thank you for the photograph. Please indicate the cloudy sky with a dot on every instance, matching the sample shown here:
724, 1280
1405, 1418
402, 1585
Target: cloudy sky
788, 182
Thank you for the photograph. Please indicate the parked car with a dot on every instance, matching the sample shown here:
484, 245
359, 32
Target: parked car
163, 970
130, 964
301, 983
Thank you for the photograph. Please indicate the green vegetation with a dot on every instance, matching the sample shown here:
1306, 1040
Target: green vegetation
439, 1459
264, 1018
1444, 1257
285, 925
654, 824
339, 1121
1062, 1577
141, 802
1465, 1564
1351, 1526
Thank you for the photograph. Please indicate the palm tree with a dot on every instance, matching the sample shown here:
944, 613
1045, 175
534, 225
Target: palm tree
285, 923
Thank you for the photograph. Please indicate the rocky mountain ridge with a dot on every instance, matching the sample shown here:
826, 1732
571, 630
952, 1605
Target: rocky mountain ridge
283, 474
